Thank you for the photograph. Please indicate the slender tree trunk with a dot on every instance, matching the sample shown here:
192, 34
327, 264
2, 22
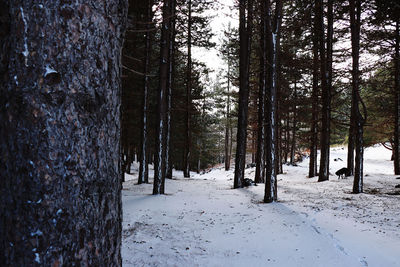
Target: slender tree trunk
143, 167
228, 128
278, 161
273, 28
253, 145
294, 127
260, 157
287, 133
355, 21
60, 194
350, 145
129, 160
325, 61
396, 148
245, 35
162, 103
312, 171
171, 61
186, 157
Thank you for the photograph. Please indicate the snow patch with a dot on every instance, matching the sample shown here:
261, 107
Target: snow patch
26, 51
49, 70
37, 233
37, 258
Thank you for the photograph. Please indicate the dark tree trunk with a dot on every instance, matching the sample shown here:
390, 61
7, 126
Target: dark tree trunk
162, 103
60, 165
186, 156
294, 127
253, 146
355, 21
143, 168
396, 148
325, 72
171, 56
129, 160
278, 161
245, 36
312, 171
273, 28
287, 133
350, 145
228, 127
260, 156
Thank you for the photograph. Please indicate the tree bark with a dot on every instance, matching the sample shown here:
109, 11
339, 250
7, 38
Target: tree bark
273, 29
60, 194
245, 36
162, 103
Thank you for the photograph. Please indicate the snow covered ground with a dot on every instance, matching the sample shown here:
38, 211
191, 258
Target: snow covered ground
203, 222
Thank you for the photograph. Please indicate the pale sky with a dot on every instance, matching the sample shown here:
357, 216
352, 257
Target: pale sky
223, 16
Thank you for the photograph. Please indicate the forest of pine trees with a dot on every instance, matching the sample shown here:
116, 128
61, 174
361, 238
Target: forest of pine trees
86, 94
293, 84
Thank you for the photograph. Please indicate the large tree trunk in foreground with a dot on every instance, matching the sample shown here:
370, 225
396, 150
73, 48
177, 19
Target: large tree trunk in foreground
59, 133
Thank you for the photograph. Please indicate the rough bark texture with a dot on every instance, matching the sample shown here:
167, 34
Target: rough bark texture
273, 28
59, 133
244, 33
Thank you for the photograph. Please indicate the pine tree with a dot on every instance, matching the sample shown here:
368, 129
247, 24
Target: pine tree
359, 120
245, 30
60, 162
272, 35
160, 163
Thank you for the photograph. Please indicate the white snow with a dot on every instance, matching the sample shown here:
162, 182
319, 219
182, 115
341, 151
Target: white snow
49, 70
26, 51
204, 222
37, 233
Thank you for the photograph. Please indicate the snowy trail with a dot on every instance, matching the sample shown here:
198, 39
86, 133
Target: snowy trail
210, 224
203, 222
